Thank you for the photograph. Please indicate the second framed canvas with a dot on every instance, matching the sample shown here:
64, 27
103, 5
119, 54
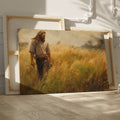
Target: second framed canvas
53, 61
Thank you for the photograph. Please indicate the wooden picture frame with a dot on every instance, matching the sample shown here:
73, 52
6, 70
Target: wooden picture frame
11, 52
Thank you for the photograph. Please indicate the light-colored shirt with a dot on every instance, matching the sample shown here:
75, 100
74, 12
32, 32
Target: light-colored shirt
40, 48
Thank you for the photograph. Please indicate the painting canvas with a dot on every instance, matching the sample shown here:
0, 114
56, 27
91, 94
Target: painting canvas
53, 61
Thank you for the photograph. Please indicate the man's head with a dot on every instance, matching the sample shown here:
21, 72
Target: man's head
40, 36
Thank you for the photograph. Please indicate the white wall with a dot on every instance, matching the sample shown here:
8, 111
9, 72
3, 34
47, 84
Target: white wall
66, 9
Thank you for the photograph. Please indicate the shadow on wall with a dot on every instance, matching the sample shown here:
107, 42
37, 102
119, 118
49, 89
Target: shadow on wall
89, 13
23, 7
102, 14
38, 6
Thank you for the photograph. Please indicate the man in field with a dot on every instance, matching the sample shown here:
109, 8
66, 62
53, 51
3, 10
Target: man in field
40, 50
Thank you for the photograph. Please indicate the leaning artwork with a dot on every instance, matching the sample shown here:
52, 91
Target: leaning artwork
53, 61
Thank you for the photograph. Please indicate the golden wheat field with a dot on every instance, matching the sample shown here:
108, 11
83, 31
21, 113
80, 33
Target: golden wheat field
73, 70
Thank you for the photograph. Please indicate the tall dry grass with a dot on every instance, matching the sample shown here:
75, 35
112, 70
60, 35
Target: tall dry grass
73, 70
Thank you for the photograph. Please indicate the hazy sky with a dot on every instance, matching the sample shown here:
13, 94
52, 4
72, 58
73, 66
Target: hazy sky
75, 38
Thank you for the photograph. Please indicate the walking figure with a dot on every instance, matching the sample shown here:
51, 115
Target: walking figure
40, 50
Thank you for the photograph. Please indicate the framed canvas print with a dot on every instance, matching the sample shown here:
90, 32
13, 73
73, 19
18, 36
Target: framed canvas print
11, 26
54, 61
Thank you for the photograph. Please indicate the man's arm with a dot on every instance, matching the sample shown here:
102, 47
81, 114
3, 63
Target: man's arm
32, 52
48, 53
32, 59
49, 56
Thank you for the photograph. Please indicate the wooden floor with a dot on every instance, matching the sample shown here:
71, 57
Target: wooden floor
75, 106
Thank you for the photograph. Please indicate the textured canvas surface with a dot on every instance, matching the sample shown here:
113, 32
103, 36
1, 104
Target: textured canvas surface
78, 62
